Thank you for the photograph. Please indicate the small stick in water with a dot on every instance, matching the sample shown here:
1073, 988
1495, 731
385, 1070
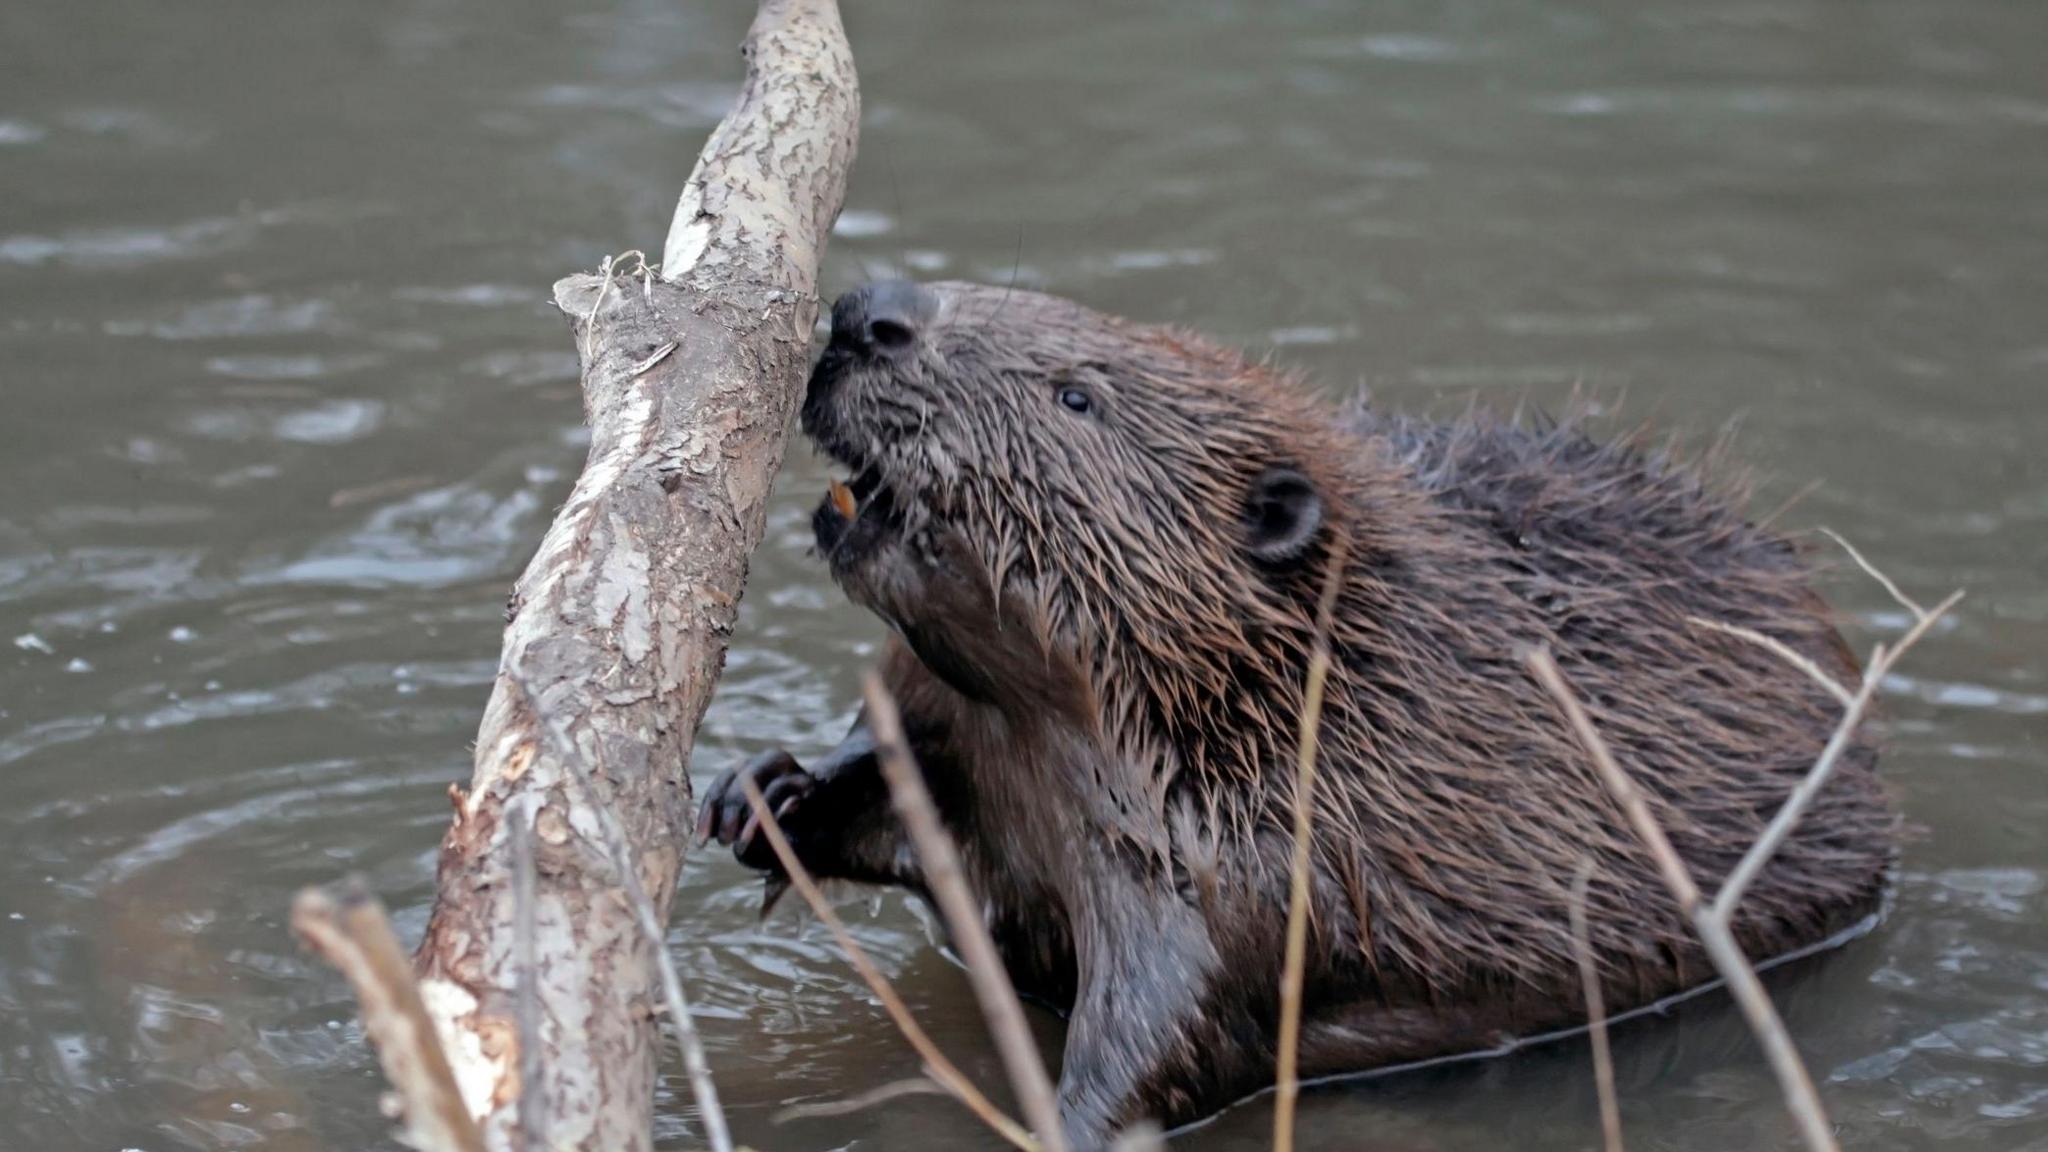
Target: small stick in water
936, 1065
948, 883
349, 929
1287, 1077
1596, 1009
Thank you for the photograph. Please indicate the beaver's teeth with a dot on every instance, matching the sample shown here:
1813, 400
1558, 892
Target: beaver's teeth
842, 499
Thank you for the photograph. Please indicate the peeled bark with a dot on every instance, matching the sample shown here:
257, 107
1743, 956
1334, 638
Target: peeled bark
618, 626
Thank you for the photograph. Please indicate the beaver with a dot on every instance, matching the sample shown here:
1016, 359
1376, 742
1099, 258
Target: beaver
1100, 547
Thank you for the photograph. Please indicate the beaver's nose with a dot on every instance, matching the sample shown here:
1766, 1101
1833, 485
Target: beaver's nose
885, 316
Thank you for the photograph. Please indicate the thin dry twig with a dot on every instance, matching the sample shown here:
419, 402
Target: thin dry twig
1287, 1075
1624, 790
610, 269
1800, 1096
695, 1066
349, 929
604, 286
940, 1069
1714, 922
1881, 661
1904, 600
947, 881
533, 1124
895, 1089
1596, 1009
1784, 652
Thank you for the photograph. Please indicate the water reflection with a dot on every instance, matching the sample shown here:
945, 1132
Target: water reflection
287, 406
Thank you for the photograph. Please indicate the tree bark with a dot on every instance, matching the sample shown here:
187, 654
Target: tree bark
618, 627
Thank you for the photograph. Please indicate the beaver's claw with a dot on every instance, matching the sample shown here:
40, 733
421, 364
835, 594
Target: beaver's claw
727, 817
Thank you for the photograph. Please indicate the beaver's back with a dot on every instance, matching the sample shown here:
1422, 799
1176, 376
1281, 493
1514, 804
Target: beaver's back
1589, 510
1609, 553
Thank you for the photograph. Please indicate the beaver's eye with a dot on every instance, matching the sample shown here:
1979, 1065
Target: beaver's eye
1076, 400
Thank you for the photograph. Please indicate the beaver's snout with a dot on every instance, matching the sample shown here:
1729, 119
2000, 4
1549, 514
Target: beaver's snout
874, 327
882, 318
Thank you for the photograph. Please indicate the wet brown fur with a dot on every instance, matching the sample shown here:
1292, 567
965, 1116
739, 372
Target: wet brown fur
1105, 686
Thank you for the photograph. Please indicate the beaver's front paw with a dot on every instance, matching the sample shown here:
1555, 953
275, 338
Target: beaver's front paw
727, 817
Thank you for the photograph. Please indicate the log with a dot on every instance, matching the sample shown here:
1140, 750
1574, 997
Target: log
617, 629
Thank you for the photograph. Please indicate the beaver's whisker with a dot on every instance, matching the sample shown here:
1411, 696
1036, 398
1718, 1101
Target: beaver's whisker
1016, 268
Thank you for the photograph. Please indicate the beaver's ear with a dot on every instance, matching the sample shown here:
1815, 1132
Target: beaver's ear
1281, 515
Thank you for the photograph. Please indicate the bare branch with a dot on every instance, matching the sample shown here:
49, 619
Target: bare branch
1676, 876
1920, 628
1774, 834
1904, 600
754, 171
1801, 1099
1784, 652
1287, 1076
947, 881
1752, 863
1596, 1009
936, 1065
349, 930
620, 621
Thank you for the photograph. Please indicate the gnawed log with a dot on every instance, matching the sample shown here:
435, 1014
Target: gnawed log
618, 626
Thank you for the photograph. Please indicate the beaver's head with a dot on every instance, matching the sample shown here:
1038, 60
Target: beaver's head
1042, 497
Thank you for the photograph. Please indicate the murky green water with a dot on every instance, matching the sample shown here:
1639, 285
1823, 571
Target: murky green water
283, 410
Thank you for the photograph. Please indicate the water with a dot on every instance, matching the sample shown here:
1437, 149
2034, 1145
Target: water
285, 410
